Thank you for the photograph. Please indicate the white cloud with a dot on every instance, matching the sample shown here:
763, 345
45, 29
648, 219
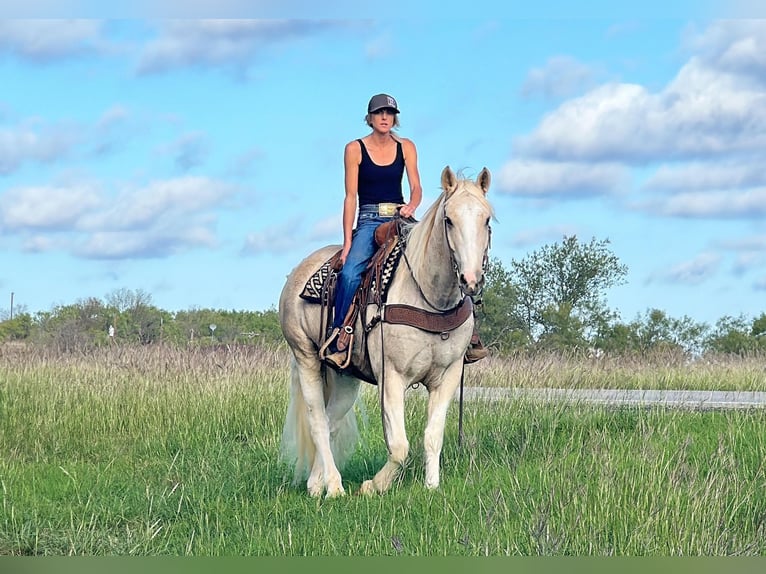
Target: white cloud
704, 131
529, 177
734, 46
46, 207
751, 243
176, 201
157, 220
39, 244
702, 113
561, 76
750, 253
706, 176
153, 244
748, 204
275, 239
748, 261
692, 272
44, 40
184, 43
35, 141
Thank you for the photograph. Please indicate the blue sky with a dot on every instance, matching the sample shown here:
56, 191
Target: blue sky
200, 160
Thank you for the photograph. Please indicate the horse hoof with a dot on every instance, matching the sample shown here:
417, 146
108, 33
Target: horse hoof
335, 493
368, 487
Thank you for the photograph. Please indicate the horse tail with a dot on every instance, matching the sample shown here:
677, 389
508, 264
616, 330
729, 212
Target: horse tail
297, 445
298, 448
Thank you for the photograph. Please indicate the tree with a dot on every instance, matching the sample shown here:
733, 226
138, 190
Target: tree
566, 281
658, 331
733, 335
16, 329
563, 329
500, 326
759, 327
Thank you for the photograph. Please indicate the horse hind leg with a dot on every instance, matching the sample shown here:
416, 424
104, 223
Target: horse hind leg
307, 418
340, 396
344, 431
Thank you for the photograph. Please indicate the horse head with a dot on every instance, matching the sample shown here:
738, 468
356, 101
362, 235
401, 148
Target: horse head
467, 216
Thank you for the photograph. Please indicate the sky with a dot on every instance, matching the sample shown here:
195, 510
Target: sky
198, 157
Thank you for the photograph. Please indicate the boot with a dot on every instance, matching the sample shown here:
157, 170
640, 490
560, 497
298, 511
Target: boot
475, 351
336, 351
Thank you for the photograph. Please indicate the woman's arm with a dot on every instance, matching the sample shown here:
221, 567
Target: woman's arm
352, 156
413, 178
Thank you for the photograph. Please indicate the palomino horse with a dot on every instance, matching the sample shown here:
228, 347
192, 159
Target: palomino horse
443, 264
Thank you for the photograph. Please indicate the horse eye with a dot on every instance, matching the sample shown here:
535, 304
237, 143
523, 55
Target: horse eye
448, 221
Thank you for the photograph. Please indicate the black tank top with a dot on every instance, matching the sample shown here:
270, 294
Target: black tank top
380, 183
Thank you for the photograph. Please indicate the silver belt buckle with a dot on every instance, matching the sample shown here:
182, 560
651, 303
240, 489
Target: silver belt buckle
387, 209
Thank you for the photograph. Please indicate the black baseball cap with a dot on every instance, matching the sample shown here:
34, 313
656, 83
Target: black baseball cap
380, 101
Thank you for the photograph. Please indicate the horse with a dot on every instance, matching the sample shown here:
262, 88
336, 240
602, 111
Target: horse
444, 261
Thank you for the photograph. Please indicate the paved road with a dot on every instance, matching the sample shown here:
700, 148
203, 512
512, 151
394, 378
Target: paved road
672, 399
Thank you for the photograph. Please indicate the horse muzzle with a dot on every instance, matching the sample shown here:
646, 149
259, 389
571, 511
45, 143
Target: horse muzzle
471, 284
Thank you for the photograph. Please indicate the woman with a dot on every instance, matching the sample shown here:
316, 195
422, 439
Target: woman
374, 168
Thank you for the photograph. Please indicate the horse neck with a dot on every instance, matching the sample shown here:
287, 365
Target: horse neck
431, 265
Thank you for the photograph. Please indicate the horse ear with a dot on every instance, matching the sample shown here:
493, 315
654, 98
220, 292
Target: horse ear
449, 180
483, 180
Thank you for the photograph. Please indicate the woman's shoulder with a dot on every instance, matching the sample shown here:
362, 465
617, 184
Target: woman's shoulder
402, 140
354, 144
406, 142
353, 149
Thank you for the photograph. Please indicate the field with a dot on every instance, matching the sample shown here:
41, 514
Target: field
166, 452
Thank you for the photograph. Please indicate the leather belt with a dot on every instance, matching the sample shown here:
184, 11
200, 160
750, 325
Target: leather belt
387, 209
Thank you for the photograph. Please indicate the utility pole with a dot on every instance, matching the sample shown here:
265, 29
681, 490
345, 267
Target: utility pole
11, 305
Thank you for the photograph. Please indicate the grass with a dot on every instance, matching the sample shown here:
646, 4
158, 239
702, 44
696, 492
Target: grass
162, 452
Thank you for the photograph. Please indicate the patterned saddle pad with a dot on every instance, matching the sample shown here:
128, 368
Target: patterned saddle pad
312, 291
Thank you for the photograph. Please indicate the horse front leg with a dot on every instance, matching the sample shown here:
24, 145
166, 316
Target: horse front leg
395, 434
439, 398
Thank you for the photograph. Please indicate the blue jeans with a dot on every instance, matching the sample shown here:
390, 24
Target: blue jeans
362, 249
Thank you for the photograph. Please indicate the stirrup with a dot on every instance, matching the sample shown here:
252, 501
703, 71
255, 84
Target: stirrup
339, 360
328, 341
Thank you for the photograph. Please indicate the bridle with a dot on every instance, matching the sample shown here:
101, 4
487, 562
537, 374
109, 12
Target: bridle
453, 261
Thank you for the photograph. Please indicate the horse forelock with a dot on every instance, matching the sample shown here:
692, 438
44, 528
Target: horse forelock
469, 187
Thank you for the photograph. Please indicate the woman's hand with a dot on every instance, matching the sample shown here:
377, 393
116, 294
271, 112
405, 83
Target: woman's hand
344, 253
407, 210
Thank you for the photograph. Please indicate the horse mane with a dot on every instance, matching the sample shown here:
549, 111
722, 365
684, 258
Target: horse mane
421, 232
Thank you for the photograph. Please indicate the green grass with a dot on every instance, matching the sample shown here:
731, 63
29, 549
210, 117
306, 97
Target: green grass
149, 452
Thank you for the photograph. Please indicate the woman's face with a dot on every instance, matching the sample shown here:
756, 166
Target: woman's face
383, 119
